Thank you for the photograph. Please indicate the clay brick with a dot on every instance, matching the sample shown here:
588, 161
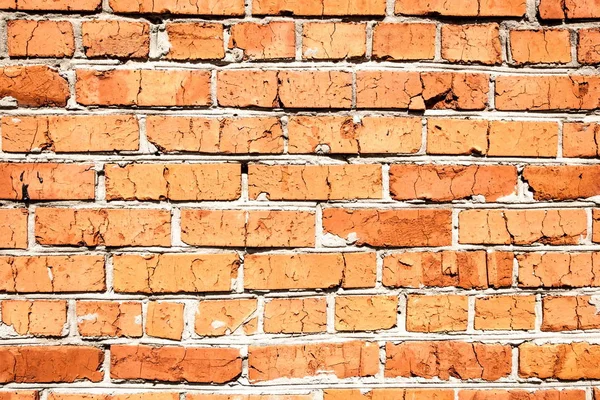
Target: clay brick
558, 269
341, 135
123, 396
174, 273
581, 140
540, 46
440, 313
389, 228
165, 320
569, 361
466, 8
452, 182
191, 7
198, 396
315, 182
588, 50
195, 41
47, 274
108, 227
13, 228
548, 92
472, 43
522, 227
564, 182
272, 40
448, 359
319, 8
177, 182
596, 226
365, 313
343, 360
291, 315
309, 271
119, 39
109, 319
47, 181
19, 395
247, 88
175, 364
226, 317
34, 86
457, 136
40, 38
145, 87
421, 91
54, 5
256, 228
505, 313
568, 313
467, 270
401, 41
315, 89
569, 9
518, 394
388, 393
51, 364
500, 268
334, 40
69, 133
37, 318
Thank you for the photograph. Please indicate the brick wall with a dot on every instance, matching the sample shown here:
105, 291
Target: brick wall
299, 200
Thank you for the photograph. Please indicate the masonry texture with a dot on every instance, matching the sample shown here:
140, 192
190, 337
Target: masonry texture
299, 199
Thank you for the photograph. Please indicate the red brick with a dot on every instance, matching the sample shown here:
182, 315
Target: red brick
37, 318
165, 320
596, 226
109, 319
389, 228
569, 9
40, 38
291, 315
175, 364
564, 182
318, 8
588, 50
568, 313
472, 43
388, 393
365, 313
120, 39
247, 88
401, 41
192, 7
569, 361
315, 89
581, 140
19, 395
505, 313
13, 228
466, 8
226, 317
264, 41
54, 5
558, 269
519, 394
439, 313
195, 41
540, 46
34, 86
334, 40
523, 139
108, 227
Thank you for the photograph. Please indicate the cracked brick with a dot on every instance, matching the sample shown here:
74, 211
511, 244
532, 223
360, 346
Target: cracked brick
558, 269
296, 315
120, 39
569, 9
98, 319
568, 313
472, 43
36, 318
319, 7
387, 393
54, 5
195, 41
13, 228
165, 320
40, 39
402, 41
505, 313
365, 313
226, 317
438, 313
334, 40
519, 394
564, 182
191, 7
581, 140
588, 46
540, 46
273, 40
567, 362
34, 86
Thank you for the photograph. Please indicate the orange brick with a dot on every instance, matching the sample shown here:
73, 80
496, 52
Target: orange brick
108, 227
522, 227
212, 135
158, 88
47, 181
588, 51
334, 40
472, 43
448, 359
13, 228
19, 395
165, 320
569, 361
438, 313
120, 39
191, 7
51, 364
109, 319
548, 92
401, 41
569, 9
70, 133
40, 38
315, 182
467, 270
315, 89
37, 318
343, 360
521, 395
568, 313
596, 226
523, 139
247, 88
452, 182
458, 136
290, 315
581, 140
365, 313
426, 90
34, 86
264, 41
174, 273
388, 393
309, 271
192, 182
564, 182
558, 269
47, 274
198, 396
505, 313
175, 364
195, 41
540, 46
468, 8
318, 8
341, 135
389, 228
226, 317
237, 228
124, 396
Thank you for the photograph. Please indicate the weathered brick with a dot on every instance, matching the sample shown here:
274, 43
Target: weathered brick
109, 319
568, 313
19, 395
439, 313
226, 317
466, 8
519, 394
569, 9
596, 226
540, 46
401, 41
120, 39
34, 86
564, 182
505, 313
37, 318
13, 228
192, 7
40, 38
247, 88
264, 41
291, 315
315, 89
319, 7
472, 43
588, 50
581, 140
558, 269
195, 41
365, 313
165, 320
568, 361
388, 393
334, 40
